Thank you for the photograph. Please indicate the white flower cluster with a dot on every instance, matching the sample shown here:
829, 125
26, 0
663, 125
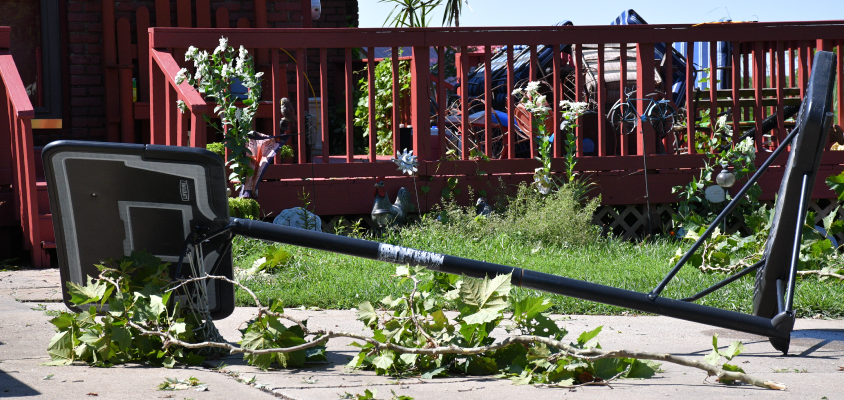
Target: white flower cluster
542, 180
571, 111
533, 102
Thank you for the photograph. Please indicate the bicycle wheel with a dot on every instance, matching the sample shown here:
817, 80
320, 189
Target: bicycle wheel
661, 114
623, 117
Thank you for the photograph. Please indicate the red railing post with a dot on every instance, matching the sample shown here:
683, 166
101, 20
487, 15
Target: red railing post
645, 84
19, 113
420, 103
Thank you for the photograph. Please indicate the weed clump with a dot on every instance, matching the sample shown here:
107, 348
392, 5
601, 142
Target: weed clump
243, 207
555, 219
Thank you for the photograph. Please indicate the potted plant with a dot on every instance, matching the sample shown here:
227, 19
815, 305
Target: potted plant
286, 154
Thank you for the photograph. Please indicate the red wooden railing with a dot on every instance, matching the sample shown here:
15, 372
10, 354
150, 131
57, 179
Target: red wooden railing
760, 49
17, 157
124, 59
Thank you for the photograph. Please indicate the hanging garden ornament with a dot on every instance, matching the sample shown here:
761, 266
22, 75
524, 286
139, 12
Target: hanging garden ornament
725, 178
407, 162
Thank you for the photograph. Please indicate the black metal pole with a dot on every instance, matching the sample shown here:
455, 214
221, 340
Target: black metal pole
727, 210
725, 282
520, 277
795, 251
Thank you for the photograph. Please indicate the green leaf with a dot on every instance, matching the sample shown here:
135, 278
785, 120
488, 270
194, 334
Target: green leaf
384, 360
585, 337
478, 365
60, 348
169, 362
63, 321
642, 369
606, 368
487, 298
735, 349
836, 183
530, 307
431, 373
712, 358
84, 294
366, 314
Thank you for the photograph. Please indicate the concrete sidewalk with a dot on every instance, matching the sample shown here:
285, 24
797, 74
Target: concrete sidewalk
812, 371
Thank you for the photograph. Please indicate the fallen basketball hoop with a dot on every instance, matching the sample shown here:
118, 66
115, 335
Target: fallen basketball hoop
110, 199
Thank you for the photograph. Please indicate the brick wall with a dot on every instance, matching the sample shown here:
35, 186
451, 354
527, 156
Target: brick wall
85, 49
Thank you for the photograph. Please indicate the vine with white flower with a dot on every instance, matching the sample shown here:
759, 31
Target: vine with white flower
537, 105
214, 74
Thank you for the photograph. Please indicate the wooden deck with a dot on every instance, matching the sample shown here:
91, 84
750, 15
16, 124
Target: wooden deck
301, 62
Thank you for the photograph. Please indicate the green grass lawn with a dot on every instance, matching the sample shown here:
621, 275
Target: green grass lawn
327, 280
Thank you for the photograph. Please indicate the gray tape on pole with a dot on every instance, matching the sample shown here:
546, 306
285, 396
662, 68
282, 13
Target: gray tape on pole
404, 255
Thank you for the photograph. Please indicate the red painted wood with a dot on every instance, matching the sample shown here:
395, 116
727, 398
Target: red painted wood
736, 80
373, 127
780, 68
21, 107
222, 17
306, 14
463, 71
30, 203
124, 52
157, 87
170, 68
394, 118
441, 102
691, 113
758, 71
602, 99
840, 80
623, 140
180, 133
170, 115
645, 83
746, 60
279, 79
302, 102
162, 13
578, 89
244, 23
323, 105
183, 14
420, 103
6, 158
713, 83
390, 37
557, 97
203, 13
534, 63
142, 33
511, 129
19, 143
261, 22
198, 137
803, 69
111, 74
488, 101
350, 111
5, 36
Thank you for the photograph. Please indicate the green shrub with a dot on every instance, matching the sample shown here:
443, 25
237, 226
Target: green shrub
556, 219
218, 149
242, 207
286, 151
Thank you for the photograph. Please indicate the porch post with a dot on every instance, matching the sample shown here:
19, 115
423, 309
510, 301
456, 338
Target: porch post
420, 103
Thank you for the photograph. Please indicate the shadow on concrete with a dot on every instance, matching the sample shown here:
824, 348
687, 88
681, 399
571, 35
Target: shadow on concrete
11, 387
